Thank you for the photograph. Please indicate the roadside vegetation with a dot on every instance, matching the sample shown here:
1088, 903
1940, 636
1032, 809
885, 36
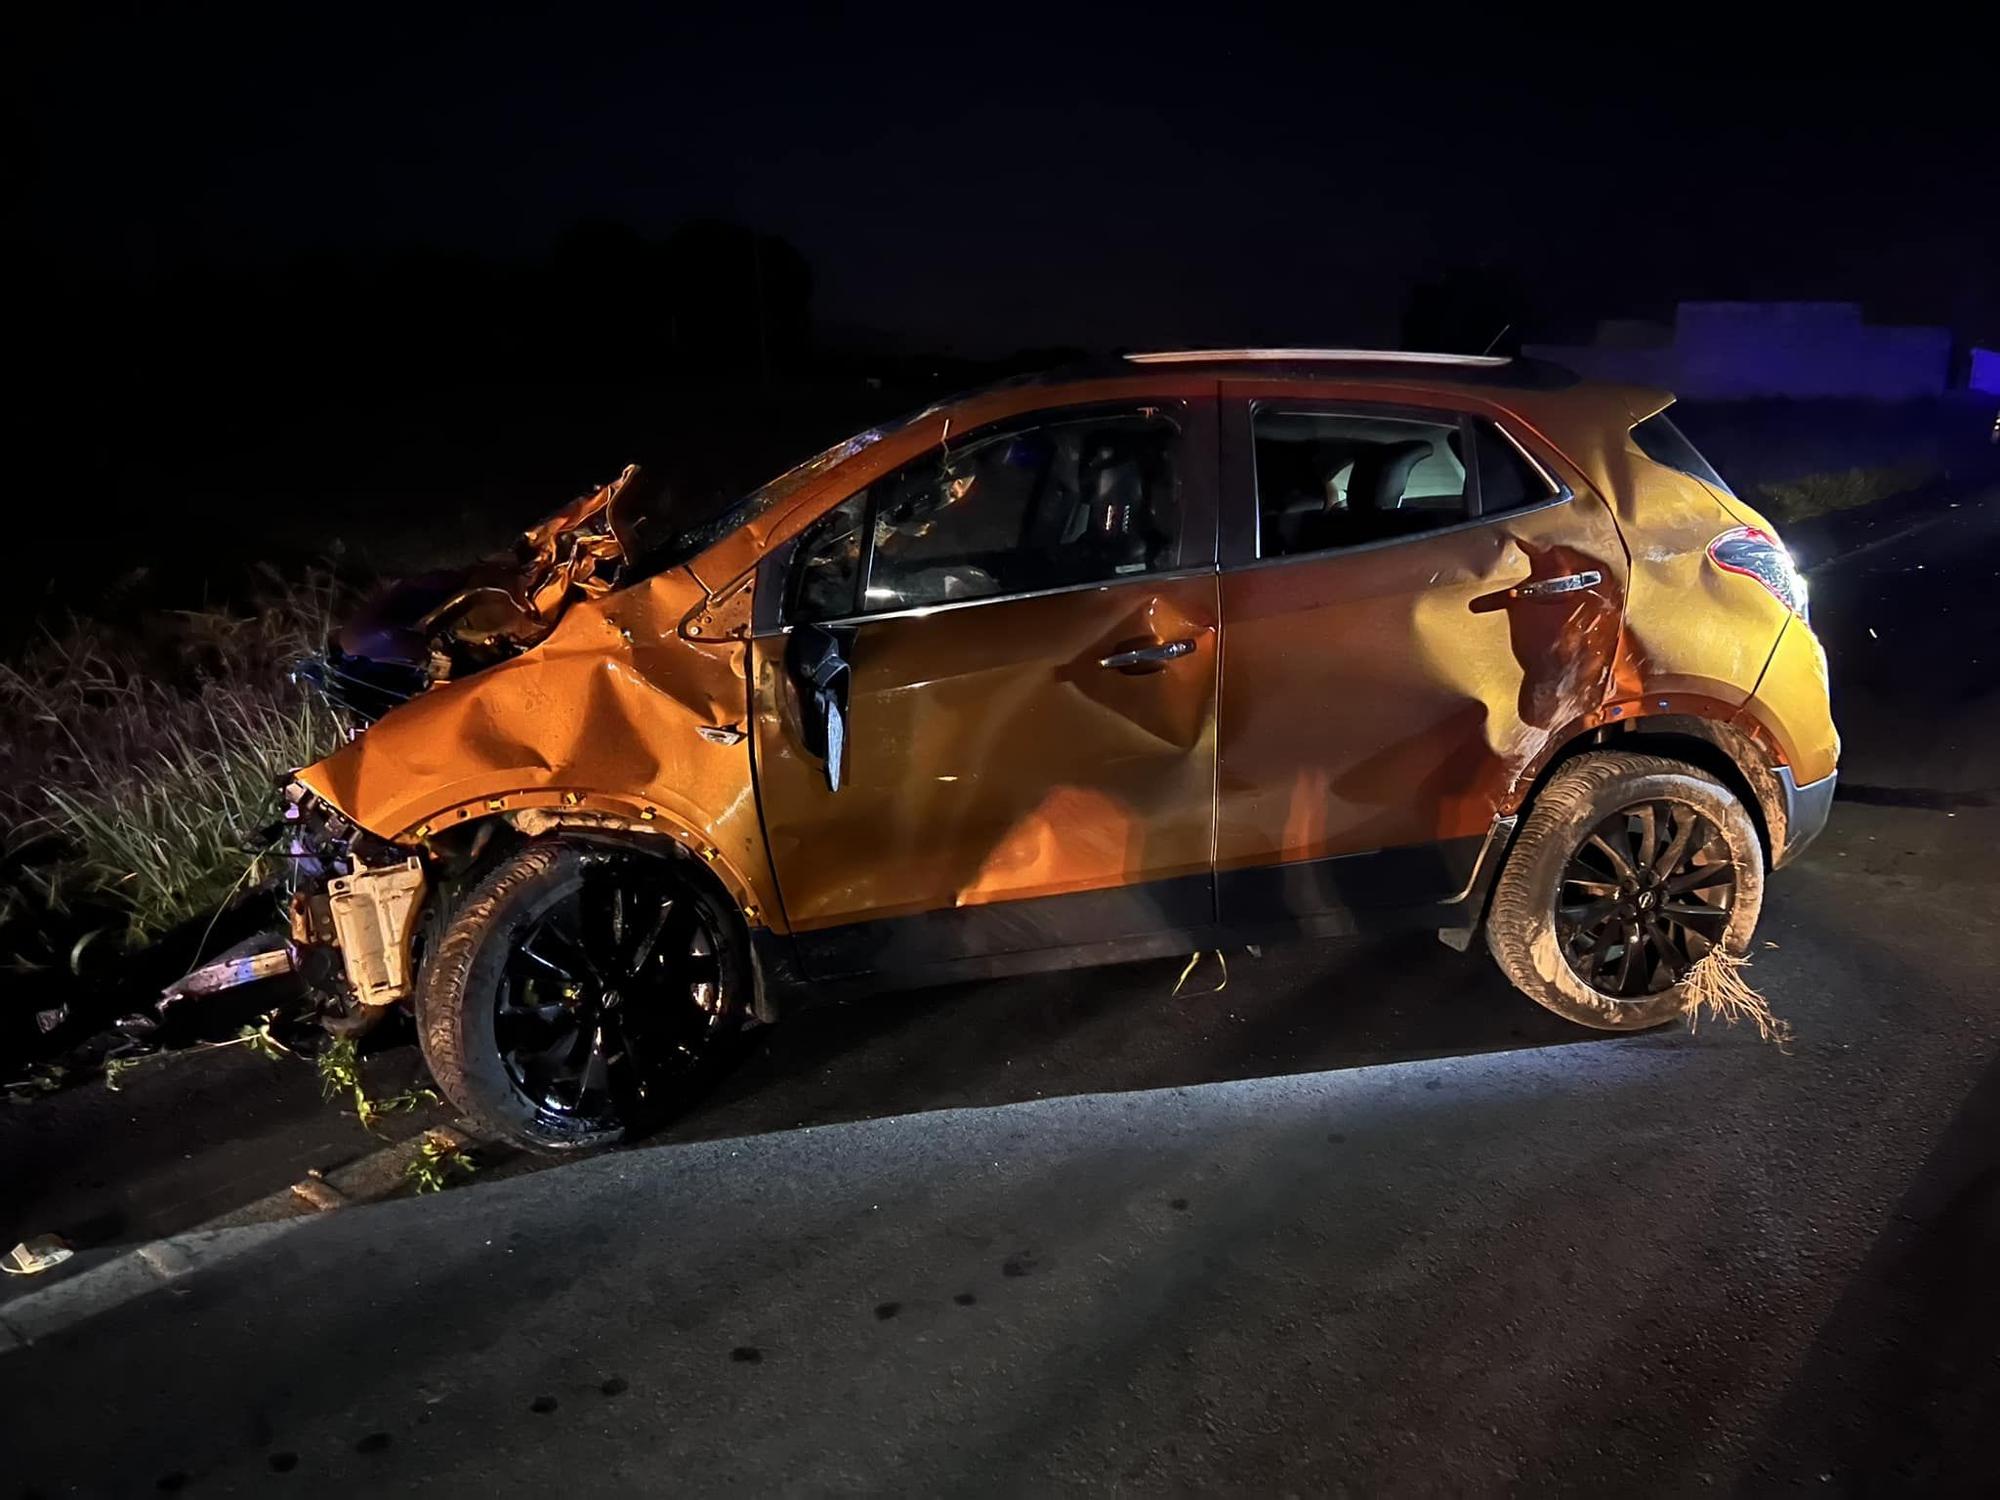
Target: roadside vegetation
1792, 500
140, 761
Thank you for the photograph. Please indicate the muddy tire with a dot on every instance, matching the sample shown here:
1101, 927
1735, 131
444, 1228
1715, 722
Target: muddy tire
580, 994
1597, 912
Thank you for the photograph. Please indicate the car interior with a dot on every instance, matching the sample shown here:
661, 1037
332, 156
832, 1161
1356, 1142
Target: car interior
1039, 508
1327, 480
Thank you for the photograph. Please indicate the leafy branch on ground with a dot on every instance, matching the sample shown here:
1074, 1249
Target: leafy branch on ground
437, 1161
340, 1074
338, 1064
259, 1038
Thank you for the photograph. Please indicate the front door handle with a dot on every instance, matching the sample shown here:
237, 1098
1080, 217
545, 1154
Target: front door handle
1569, 583
1145, 656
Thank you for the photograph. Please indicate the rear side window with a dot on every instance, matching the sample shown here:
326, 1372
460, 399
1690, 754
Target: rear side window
1067, 499
1665, 443
1327, 479
1344, 479
1507, 480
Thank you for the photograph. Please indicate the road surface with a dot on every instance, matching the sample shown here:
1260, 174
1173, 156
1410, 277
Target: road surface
1363, 1221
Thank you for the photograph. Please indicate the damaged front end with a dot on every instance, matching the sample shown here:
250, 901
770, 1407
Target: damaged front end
358, 906
444, 626
355, 906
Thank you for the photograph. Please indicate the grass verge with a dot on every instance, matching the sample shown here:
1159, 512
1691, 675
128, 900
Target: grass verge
138, 763
1810, 495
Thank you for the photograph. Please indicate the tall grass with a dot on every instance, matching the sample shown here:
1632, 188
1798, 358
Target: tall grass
1812, 495
145, 758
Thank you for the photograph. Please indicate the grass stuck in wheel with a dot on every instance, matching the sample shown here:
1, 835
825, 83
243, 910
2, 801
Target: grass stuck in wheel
1715, 987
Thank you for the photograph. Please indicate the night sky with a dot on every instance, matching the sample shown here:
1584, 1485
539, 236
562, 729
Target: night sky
982, 178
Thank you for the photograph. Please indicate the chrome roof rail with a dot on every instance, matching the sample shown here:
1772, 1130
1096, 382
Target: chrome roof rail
1316, 356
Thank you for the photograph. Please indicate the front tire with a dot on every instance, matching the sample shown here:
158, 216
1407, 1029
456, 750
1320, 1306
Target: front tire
1628, 870
580, 993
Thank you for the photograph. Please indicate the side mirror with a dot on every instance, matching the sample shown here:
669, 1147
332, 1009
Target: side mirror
817, 666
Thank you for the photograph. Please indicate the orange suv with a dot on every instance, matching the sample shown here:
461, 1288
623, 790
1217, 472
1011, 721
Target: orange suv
1191, 650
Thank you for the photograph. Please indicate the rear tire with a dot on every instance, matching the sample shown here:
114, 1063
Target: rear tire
581, 993
1575, 892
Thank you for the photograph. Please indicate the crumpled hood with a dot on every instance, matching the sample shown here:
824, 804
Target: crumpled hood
446, 625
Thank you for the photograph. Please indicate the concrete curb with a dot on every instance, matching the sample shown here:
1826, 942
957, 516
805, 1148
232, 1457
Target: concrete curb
38, 1314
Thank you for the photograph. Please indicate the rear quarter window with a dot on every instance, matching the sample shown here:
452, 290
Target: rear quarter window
1664, 443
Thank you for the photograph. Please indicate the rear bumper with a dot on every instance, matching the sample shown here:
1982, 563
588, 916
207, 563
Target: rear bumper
1806, 809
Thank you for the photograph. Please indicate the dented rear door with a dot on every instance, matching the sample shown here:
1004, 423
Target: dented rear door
1381, 702
1022, 771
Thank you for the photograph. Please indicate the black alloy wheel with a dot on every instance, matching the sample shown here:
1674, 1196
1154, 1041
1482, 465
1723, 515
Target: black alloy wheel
611, 995
1646, 894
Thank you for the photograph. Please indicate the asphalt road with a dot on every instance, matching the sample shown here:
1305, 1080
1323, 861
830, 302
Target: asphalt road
1361, 1221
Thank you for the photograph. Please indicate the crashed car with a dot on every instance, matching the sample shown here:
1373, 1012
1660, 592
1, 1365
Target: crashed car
1192, 650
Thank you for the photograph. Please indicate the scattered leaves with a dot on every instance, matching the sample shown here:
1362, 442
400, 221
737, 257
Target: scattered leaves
439, 1158
340, 1073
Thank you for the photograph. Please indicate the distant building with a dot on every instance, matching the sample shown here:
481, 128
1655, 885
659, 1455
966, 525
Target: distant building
1985, 371
1739, 350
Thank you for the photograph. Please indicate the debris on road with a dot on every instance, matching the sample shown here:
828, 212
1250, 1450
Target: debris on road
260, 1038
1193, 962
254, 959
33, 1256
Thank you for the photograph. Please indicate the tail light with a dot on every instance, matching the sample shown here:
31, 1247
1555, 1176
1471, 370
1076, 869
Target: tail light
1755, 553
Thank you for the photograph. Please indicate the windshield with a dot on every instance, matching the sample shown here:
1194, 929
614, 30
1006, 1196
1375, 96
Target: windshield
663, 536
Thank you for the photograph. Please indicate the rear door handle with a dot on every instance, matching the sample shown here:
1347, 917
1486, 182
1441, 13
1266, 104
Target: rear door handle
1141, 656
1569, 583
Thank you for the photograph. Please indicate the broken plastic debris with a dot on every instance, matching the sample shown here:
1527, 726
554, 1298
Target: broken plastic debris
32, 1257
246, 963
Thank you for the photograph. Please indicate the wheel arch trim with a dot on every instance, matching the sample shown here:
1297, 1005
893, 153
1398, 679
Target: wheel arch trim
607, 816
1704, 734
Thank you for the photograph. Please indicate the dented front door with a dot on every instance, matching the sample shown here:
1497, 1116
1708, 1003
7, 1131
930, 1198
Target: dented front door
1015, 773
1380, 703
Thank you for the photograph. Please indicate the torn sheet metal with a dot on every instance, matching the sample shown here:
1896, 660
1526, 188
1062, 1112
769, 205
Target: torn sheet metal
1692, 632
1392, 696
440, 627
603, 717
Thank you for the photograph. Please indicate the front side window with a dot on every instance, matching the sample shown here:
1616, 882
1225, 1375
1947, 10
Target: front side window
1059, 501
826, 575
